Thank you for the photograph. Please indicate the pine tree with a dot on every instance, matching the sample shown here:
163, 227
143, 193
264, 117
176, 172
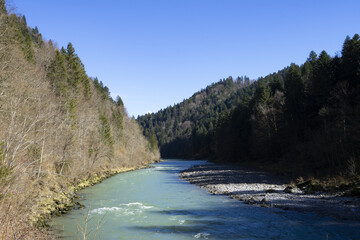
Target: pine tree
276, 85
153, 142
23, 20
295, 102
28, 49
351, 60
72, 66
63, 51
262, 92
312, 58
105, 130
3, 10
118, 118
322, 80
70, 52
119, 101
57, 75
294, 93
76, 71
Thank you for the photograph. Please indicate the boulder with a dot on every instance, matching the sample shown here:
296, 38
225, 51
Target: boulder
270, 190
288, 189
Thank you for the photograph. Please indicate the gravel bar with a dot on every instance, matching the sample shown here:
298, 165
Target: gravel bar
266, 190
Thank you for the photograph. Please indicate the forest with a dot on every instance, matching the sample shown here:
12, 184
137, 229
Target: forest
59, 129
303, 120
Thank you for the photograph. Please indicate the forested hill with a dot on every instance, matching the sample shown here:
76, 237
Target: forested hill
181, 130
185, 129
304, 118
58, 127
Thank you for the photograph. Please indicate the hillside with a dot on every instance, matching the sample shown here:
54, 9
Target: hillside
185, 129
59, 129
181, 130
303, 120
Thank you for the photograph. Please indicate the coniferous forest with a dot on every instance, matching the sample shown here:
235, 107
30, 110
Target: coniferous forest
303, 119
61, 131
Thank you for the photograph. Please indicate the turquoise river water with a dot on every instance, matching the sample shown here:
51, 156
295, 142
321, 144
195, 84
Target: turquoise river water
154, 203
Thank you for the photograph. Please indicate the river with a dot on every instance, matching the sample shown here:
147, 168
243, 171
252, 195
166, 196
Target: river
154, 203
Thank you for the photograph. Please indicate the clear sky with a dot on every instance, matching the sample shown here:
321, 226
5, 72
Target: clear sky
159, 52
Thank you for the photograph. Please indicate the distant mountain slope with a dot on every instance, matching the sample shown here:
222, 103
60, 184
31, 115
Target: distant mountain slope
194, 118
185, 129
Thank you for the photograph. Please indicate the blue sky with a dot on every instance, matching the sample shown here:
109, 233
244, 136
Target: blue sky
157, 53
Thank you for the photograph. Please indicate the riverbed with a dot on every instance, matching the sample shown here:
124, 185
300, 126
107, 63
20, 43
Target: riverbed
154, 203
268, 190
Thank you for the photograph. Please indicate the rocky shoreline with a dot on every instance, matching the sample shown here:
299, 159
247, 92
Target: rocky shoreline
266, 190
56, 201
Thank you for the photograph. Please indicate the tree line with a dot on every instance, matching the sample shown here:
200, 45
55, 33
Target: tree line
183, 130
304, 118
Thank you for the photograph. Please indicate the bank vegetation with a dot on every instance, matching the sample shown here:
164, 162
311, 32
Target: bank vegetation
59, 130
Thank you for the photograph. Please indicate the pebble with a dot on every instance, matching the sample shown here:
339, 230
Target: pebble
250, 186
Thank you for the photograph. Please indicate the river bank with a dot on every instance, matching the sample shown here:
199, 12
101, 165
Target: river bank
266, 190
61, 198
155, 204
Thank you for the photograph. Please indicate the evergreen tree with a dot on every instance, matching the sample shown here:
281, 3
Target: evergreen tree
117, 117
119, 101
153, 142
57, 75
262, 92
23, 21
312, 58
63, 51
294, 94
70, 50
28, 49
322, 80
73, 66
105, 130
351, 61
76, 71
3, 11
276, 85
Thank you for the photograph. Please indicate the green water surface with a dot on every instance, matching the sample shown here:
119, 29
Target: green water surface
155, 203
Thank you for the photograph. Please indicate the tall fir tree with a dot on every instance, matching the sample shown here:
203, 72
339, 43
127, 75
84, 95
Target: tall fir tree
76, 72
57, 75
294, 93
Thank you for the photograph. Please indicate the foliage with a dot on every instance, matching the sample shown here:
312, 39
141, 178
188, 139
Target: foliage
57, 75
57, 126
305, 119
105, 130
183, 130
102, 90
119, 101
153, 142
3, 7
